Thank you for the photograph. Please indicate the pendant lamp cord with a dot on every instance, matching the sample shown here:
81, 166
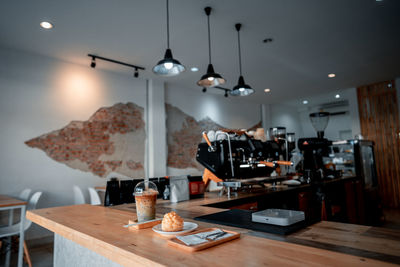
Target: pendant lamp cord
168, 24
209, 39
240, 55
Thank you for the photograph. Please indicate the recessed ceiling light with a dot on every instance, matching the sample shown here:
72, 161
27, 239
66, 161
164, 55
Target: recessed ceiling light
46, 25
305, 102
267, 90
337, 96
331, 75
194, 69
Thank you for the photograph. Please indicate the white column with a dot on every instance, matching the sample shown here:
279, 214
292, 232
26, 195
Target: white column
266, 118
353, 111
156, 135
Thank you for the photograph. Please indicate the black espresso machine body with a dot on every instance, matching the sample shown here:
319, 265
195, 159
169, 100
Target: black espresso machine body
245, 160
314, 149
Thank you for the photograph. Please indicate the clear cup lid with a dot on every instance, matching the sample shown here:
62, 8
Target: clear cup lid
144, 188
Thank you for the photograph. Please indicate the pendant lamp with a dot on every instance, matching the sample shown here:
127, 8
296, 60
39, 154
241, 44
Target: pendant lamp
241, 89
211, 78
168, 66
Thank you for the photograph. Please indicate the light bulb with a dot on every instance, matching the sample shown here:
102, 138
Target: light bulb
241, 89
210, 78
46, 25
168, 65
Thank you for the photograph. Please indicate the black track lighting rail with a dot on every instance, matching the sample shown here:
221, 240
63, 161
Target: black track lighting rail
135, 67
222, 88
226, 90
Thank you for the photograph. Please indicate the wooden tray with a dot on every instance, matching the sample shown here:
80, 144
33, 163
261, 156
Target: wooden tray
179, 244
143, 225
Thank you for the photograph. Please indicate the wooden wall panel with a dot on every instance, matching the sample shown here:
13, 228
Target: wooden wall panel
379, 119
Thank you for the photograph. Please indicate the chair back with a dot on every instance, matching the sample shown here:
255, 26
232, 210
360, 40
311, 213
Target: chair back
127, 188
78, 196
31, 206
24, 195
94, 196
113, 193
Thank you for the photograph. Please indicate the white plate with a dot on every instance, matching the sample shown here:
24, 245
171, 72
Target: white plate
187, 227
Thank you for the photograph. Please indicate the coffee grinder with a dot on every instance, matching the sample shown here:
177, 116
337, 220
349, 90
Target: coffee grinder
315, 148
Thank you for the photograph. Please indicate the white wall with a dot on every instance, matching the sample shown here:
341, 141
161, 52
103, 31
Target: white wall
295, 116
39, 95
285, 116
231, 112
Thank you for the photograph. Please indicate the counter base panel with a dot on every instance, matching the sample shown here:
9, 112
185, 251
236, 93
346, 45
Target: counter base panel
69, 253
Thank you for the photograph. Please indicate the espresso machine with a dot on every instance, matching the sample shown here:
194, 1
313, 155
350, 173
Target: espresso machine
314, 149
233, 157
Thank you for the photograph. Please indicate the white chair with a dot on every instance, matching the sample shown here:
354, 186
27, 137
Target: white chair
94, 196
24, 195
14, 229
78, 196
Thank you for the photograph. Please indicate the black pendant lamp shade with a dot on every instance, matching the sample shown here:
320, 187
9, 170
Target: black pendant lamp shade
168, 66
211, 78
241, 89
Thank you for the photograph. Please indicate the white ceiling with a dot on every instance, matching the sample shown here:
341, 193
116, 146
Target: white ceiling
359, 40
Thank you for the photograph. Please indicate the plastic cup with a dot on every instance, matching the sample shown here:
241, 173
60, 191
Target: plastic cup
146, 198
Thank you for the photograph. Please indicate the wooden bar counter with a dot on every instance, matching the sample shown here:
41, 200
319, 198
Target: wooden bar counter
100, 230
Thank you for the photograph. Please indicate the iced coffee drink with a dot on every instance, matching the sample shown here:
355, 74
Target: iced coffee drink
146, 198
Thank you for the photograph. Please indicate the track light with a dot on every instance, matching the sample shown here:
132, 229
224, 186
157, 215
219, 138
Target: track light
204, 89
135, 67
226, 93
93, 64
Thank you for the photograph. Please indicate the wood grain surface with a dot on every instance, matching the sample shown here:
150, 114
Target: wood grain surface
379, 120
355, 236
101, 230
211, 243
6, 201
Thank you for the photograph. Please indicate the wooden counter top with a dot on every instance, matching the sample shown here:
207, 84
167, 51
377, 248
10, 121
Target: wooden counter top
358, 240
6, 201
100, 229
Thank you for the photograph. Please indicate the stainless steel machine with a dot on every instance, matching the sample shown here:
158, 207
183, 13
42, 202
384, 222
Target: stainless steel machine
234, 157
